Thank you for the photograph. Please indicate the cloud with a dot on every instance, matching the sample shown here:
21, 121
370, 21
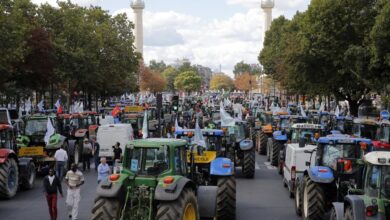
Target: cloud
170, 36
79, 2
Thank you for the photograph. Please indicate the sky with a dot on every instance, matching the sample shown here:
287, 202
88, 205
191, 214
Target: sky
212, 33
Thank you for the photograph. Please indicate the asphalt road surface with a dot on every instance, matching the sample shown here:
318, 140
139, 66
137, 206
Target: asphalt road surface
261, 198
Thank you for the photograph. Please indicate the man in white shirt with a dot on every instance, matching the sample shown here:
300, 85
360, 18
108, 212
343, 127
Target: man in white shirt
73, 179
61, 158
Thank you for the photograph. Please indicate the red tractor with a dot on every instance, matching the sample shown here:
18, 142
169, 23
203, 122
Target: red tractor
14, 171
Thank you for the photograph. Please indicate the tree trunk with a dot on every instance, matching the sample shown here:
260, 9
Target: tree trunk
89, 102
353, 107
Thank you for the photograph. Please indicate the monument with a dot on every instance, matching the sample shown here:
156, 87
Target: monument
267, 6
138, 7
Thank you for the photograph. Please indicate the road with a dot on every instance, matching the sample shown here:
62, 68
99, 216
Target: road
261, 198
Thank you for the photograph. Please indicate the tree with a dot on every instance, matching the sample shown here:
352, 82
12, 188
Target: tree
151, 80
221, 81
245, 82
169, 75
241, 68
157, 66
188, 81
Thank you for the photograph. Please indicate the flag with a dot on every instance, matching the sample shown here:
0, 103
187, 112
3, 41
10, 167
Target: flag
226, 119
198, 136
322, 107
145, 126
49, 132
116, 111
40, 106
302, 111
337, 111
27, 106
58, 106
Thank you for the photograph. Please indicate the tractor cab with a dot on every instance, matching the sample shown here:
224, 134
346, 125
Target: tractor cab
7, 140
365, 128
382, 141
343, 124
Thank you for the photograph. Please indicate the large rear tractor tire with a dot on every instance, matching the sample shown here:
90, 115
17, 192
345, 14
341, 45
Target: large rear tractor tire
29, 182
226, 198
274, 154
248, 167
313, 200
9, 179
184, 208
269, 148
106, 209
263, 143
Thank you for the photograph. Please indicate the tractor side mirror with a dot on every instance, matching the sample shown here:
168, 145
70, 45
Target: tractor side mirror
302, 142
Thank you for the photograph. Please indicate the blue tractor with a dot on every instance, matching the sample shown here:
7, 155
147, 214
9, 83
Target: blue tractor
342, 123
338, 168
279, 137
212, 168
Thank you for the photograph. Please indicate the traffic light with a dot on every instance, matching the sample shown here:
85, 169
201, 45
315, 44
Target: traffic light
175, 103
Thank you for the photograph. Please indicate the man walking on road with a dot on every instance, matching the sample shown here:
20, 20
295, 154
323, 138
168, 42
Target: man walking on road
74, 179
87, 152
61, 158
52, 185
95, 152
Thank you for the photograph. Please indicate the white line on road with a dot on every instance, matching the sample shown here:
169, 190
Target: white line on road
257, 166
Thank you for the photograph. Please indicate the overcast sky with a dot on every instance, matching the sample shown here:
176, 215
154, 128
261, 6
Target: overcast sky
208, 32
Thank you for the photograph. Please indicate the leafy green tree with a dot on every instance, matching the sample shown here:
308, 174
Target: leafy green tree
157, 66
188, 81
242, 67
170, 74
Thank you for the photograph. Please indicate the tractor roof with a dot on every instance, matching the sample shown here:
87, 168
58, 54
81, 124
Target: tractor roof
378, 157
157, 142
39, 117
342, 139
209, 132
307, 126
344, 118
367, 121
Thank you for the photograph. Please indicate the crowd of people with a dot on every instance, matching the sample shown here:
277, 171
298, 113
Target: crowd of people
74, 178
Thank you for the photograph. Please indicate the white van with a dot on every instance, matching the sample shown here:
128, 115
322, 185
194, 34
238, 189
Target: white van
295, 164
108, 135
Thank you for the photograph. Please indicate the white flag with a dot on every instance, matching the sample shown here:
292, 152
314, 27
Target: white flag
145, 126
27, 106
58, 104
322, 107
226, 119
49, 132
303, 113
40, 106
337, 112
198, 137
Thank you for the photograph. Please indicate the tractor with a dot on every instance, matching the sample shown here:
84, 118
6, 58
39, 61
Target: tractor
337, 169
15, 172
155, 181
264, 125
209, 171
31, 142
76, 127
365, 128
279, 137
343, 124
239, 147
372, 200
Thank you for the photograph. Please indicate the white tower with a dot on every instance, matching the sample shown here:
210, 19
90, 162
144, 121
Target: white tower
138, 7
267, 6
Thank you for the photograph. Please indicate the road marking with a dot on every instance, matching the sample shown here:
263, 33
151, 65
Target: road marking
257, 166
269, 166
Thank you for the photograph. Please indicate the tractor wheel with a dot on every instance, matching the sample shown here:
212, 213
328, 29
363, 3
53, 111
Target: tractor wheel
9, 179
298, 199
313, 200
274, 154
348, 215
248, 168
184, 208
226, 198
257, 145
29, 182
263, 143
106, 209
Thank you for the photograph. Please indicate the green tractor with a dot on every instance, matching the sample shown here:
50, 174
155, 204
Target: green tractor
31, 142
154, 182
372, 199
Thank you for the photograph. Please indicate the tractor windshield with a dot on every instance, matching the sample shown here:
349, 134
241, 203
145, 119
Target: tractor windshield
324, 119
308, 134
284, 123
213, 142
332, 152
149, 161
365, 131
4, 139
36, 127
266, 118
385, 186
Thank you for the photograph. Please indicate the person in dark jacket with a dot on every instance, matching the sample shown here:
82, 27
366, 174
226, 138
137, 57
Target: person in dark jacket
52, 185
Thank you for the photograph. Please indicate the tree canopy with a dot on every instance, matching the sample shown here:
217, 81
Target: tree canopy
188, 81
221, 81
